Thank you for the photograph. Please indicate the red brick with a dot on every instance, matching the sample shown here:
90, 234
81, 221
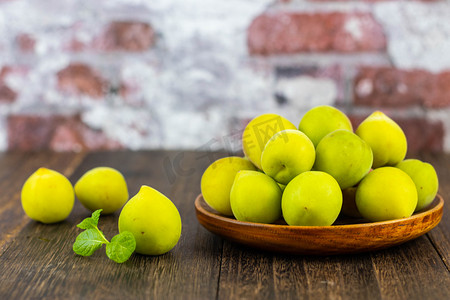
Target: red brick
75, 45
7, 95
26, 42
73, 135
422, 135
78, 78
438, 93
390, 87
126, 36
4, 72
54, 132
287, 33
17, 70
30, 132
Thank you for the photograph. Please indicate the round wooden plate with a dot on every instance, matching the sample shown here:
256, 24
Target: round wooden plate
321, 240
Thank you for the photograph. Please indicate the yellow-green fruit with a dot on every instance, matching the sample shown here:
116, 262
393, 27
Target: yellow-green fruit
259, 131
153, 220
217, 180
425, 178
47, 196
386, 193
312, 198
385, 137
287, 154
345, 156
321, 120
255, 197
102, 188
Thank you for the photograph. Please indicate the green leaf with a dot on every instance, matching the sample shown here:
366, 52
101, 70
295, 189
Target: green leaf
121, 247
92, 222
88, 242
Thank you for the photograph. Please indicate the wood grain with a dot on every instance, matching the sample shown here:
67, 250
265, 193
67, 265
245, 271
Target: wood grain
411, 271
246, 274
40, 262
440, 235
37, 261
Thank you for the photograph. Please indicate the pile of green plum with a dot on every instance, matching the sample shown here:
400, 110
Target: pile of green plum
308, 175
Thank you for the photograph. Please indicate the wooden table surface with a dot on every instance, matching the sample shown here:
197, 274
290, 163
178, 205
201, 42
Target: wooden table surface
37, 261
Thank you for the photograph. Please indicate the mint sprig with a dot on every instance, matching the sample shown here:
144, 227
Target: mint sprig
121, 247
88, 242
91, 239
92, 222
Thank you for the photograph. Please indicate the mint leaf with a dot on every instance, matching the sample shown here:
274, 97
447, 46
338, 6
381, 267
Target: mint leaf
91, 222
88, 242
121, 247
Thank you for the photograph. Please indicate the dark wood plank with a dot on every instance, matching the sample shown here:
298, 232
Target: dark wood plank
40, 263
358, 277
340, 277
15, 169
290, 277
246, 274
193, 269
253, 274
410, 271
439, 236
413, 270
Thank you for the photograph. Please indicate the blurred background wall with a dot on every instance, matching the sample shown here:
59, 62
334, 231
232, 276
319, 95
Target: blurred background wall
189, 74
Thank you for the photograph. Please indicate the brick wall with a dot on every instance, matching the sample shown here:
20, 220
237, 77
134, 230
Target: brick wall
114, 74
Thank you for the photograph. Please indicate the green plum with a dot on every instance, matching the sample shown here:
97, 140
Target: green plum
345, 156
385, 137
47, 196
313, 198
255, 197
287, 154
282, 186
217, 180
425, 178
102, 188
259, 131
321, 120
153, 220
386, 193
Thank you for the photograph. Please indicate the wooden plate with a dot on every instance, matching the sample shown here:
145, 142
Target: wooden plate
321, 240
